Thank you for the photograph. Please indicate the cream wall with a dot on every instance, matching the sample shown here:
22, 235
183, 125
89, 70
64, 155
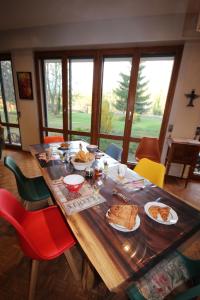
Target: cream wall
185, 119
29, 126
143, 29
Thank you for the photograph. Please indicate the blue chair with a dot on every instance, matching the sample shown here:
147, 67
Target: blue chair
114, 151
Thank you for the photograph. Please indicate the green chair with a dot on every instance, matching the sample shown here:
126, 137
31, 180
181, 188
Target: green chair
192, 268
30, 189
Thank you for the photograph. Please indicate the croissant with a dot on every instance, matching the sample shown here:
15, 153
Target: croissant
164, 213
154, 211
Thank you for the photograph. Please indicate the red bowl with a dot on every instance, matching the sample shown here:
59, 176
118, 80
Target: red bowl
73, 182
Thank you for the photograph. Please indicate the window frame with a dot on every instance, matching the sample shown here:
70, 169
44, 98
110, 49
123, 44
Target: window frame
98, 56
8, 125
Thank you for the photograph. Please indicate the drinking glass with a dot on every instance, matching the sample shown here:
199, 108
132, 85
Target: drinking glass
122, 171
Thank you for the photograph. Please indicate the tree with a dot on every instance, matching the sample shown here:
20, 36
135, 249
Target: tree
122, 93
8, 81
157, 109
106, 117
142, 103
53, 86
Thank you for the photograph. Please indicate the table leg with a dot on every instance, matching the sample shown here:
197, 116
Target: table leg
88, 277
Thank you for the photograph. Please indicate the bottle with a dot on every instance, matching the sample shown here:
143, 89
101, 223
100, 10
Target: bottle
98, 168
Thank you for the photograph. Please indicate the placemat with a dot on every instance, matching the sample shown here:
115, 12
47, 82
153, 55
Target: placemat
82, 203
76, 202
44, 163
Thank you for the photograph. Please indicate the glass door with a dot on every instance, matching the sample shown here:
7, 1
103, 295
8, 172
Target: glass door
114, 97
150, 100
80, 88
8, 106
53, 103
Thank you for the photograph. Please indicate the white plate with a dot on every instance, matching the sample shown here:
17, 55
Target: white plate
124, 229
172, 219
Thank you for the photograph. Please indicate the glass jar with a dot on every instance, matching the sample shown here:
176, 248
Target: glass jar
98, 168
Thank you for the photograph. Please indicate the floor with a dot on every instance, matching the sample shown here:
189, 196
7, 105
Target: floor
55, 279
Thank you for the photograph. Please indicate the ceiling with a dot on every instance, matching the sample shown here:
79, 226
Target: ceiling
26, 14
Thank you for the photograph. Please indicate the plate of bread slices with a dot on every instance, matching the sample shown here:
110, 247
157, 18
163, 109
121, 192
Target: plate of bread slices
123, 217
161, 213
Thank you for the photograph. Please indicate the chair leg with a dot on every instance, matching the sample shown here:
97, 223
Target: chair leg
33, 279
72, 265
26, 205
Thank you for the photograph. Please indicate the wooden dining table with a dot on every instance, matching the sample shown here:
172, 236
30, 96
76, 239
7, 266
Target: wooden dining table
119, 257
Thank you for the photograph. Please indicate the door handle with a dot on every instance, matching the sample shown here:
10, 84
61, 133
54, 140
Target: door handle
129, 115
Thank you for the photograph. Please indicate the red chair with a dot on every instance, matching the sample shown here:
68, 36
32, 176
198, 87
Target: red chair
148, 148
53, 139
43, 234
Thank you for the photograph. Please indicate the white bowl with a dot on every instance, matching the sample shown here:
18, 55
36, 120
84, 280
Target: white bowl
73, 182
92, 148
80, 166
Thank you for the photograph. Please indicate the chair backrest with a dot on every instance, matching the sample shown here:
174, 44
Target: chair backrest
183, 269
14, 213
53, 139
148, 148
151, 170
114, 151
19, 176
11, 164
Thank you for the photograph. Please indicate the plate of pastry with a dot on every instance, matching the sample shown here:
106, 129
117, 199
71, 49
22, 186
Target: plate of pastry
161, 213
123, 217
64, 146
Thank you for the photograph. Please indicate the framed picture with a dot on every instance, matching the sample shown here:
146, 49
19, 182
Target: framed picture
25, 85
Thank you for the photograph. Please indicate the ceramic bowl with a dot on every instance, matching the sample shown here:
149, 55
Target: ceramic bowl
73, 182
92, 148
80, 166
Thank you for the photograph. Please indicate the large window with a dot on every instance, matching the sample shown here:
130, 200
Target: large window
53, 94
116, 79
106, 96
80, 83
150, 101
8, 107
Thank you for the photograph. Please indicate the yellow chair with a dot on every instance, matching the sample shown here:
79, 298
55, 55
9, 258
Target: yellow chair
151, 170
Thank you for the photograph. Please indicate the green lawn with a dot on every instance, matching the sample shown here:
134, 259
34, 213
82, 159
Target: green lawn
145, 126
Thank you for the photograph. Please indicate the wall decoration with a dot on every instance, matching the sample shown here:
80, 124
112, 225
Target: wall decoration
191, 96
25, 85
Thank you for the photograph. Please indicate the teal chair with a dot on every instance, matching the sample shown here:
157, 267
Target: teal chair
30, 189
193, 273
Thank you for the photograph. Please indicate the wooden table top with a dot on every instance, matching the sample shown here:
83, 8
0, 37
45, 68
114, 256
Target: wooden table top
120, 257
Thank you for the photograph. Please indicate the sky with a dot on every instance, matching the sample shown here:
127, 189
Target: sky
157, 72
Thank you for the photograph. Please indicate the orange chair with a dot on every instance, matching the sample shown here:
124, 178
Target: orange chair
53, 139
148, 148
